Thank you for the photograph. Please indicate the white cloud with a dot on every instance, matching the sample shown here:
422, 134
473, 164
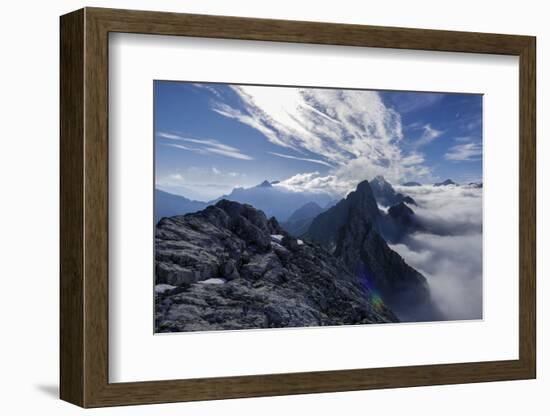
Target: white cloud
305, 159
201, 183
203, 146
449, 253
429, 134
352, 131
314, 182
208, 88
176, 176
465, 152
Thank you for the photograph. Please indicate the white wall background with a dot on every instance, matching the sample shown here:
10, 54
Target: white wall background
29, 83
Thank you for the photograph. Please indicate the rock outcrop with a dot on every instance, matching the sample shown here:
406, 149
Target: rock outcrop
400, 221
229, 267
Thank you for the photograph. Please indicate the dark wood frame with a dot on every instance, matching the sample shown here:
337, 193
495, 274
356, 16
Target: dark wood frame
84, 208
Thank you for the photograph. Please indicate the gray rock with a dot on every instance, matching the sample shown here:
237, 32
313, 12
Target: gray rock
267, 284
229, 270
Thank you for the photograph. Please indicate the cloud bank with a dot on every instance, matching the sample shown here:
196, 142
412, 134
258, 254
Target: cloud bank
449, 253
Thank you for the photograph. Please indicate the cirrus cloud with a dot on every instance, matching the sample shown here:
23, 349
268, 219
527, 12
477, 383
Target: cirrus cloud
467, 152
351, 131
203, 146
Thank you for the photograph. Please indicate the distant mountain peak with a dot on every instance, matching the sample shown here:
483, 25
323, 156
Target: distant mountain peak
380, 181
446, 182
300, 220
306, 211
412, 183
275, 200
385, 194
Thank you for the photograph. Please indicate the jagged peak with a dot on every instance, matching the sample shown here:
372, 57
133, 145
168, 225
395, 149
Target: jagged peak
362, 185
380, 183
400, 209
264, 184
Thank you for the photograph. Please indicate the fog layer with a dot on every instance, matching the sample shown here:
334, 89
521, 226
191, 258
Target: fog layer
449, 252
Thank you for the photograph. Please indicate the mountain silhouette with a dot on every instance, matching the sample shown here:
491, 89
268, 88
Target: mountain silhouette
300, 220
168, 205
275, 200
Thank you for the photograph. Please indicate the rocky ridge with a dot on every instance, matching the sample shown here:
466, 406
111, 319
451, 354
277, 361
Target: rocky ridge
229, 267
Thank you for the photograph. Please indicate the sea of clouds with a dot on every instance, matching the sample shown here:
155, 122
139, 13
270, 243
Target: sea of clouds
450, 252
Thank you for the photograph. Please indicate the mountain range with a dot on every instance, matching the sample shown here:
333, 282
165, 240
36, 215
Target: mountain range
230, 267
275, 200
168, 205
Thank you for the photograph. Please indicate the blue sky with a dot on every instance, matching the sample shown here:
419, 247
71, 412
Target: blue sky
210, 138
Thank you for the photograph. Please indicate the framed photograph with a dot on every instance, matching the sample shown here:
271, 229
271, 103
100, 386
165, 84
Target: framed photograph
260, 207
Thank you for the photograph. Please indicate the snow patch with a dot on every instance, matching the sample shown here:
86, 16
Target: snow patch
278, 238
213, 281
300, 242
163, 287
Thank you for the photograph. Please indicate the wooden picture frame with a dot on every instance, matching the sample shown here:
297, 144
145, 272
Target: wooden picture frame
84, 207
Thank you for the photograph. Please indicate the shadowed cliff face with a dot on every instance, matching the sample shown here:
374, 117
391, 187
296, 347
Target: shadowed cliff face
229, 267
351, 231
326, 227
